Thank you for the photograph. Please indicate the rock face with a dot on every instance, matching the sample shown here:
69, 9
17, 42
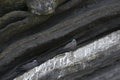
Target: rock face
43, 7
8, 6
45, 35
83, 61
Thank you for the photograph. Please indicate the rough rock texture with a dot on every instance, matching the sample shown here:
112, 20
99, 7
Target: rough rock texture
25, 36
11, 5
43, 7
74, 65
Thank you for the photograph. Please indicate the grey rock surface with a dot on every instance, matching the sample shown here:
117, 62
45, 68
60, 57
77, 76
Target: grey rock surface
43, 7
7, 6
25, 37
83, 61
111, 72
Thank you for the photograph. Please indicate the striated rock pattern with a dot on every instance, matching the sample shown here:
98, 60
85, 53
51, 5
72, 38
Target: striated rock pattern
31, 30
74, 65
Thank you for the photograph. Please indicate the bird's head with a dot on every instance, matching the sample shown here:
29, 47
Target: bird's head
74, 41
34, 61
